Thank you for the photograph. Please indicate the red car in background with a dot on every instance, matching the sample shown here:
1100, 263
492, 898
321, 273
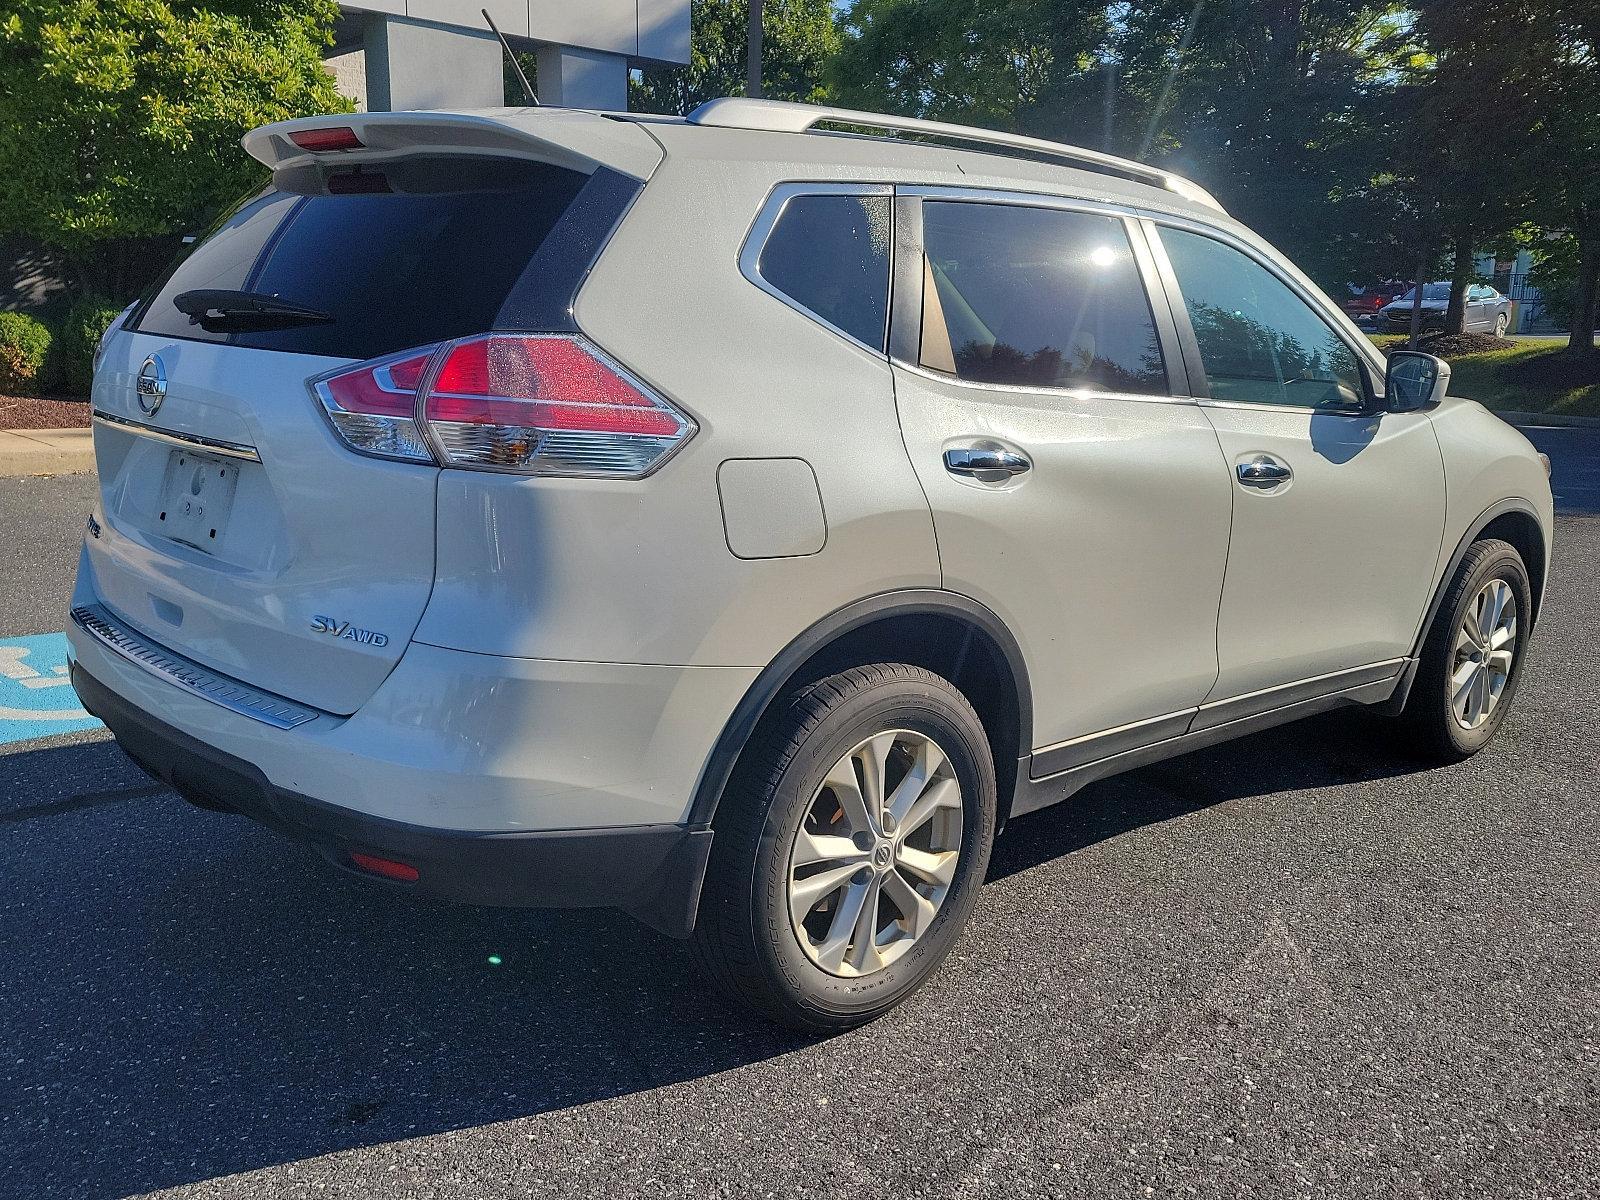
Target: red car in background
1364, 302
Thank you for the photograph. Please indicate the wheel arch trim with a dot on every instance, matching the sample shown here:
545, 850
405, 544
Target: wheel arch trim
1512, 504
1501, 508
776, 676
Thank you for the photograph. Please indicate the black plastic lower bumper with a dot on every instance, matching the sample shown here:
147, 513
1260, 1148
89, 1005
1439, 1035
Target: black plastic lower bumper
653, 872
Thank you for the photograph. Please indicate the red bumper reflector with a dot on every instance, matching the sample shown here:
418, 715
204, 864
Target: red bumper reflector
386, 867
339, 137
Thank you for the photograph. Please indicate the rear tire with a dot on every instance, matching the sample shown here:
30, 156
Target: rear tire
1472, 658
1501, 324
815, 913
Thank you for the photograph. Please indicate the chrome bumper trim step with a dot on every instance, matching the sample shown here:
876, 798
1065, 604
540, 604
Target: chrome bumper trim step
189, 675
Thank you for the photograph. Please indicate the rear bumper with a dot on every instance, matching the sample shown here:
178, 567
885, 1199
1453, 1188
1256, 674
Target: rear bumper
653, 872
449, 740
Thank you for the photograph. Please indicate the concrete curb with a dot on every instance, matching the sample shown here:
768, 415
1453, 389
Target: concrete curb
46, 452
1528, 418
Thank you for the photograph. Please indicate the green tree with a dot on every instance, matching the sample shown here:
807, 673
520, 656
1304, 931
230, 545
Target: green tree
1023, 66
1561, 66
799, 37
1264, 103
1468, 143
1273, 107
120, 120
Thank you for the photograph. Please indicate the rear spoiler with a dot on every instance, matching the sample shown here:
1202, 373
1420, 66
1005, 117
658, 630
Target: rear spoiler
573, 138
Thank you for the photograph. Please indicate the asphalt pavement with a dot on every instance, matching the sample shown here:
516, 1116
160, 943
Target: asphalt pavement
1292, 966
1574, 464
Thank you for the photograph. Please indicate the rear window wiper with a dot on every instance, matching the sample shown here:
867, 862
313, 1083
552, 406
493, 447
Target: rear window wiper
218, 310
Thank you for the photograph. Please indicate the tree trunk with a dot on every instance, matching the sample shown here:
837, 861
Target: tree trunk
1586, 298
1416, 298
1461, 273
752, 86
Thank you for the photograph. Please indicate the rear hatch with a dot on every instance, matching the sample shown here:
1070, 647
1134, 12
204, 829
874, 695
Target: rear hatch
239, 530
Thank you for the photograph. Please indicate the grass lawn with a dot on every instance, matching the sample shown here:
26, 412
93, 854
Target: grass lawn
1533, 376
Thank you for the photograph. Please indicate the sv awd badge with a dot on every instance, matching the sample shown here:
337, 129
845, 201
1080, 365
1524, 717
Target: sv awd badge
347, 631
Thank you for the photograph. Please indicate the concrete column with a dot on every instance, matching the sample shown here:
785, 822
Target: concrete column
574, 78
412, 64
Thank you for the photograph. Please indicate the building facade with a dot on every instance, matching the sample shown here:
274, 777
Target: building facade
411, 54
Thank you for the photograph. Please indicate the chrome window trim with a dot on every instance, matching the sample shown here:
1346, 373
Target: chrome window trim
1337, 320
767, 219
189, 675
1025, 199
189, 441
1044, 393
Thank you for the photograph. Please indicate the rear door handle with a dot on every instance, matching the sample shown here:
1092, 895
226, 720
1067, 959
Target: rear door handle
984, 460
1264, 472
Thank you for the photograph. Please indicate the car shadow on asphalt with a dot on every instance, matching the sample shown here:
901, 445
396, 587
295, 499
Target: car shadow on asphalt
185, 996
1345, 746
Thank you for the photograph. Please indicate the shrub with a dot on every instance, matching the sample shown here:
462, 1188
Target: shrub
25, 359
121, 119
85, 321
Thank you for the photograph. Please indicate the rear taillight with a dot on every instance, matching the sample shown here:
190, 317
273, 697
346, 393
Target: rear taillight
534, 404
373, 406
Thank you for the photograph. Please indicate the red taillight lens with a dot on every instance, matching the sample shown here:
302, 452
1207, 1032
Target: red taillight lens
548, 404
534, 403
337, 137
373, 405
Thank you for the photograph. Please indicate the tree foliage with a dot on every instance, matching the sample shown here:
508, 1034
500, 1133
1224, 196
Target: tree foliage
799, 36
1266, 104
121, 119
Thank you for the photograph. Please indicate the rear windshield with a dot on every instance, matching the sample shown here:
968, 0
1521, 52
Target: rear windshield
399, 256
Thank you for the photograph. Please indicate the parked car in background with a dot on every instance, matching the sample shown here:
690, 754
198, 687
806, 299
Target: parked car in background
736, 524
1487, 310
1364, 303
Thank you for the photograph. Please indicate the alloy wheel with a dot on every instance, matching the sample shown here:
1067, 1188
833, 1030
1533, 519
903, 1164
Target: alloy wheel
1485, 651
875, 854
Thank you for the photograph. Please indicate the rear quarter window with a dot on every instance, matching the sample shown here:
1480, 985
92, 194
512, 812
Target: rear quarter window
401, 255
830, 255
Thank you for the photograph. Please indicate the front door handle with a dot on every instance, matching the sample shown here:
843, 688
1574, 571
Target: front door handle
984, 460
1264, 472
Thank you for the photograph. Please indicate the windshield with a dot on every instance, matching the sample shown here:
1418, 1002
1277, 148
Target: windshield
1431, 291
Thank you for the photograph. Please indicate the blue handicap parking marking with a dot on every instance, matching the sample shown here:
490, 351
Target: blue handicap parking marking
36, 698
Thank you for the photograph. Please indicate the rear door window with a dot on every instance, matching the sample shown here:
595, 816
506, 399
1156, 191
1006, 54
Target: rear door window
829, 254
412, 253
1035, 297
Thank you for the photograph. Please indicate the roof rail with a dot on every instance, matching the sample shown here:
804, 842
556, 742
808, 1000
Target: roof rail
781, 116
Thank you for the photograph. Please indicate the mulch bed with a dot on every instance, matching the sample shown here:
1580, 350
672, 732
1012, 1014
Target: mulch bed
1452, 345
29, 412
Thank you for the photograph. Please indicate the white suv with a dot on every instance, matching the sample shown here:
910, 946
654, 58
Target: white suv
736, 519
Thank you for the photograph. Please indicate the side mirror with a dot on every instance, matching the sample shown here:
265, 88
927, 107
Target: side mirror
1414, 381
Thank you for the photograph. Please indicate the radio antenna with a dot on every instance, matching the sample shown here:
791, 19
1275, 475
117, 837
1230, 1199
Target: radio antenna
527, 88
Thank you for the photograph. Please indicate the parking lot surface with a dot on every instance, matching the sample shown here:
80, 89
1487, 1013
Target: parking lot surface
1292, 966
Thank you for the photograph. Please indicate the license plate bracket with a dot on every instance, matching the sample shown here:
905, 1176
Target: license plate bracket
196, 499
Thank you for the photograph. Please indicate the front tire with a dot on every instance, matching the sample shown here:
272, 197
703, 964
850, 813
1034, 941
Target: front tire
1501, 324
849, 848
1472, 658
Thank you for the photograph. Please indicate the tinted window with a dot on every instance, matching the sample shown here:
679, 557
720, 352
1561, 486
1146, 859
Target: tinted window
830, 254
1258, 340
1035, 297
1432, 291
433, 257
